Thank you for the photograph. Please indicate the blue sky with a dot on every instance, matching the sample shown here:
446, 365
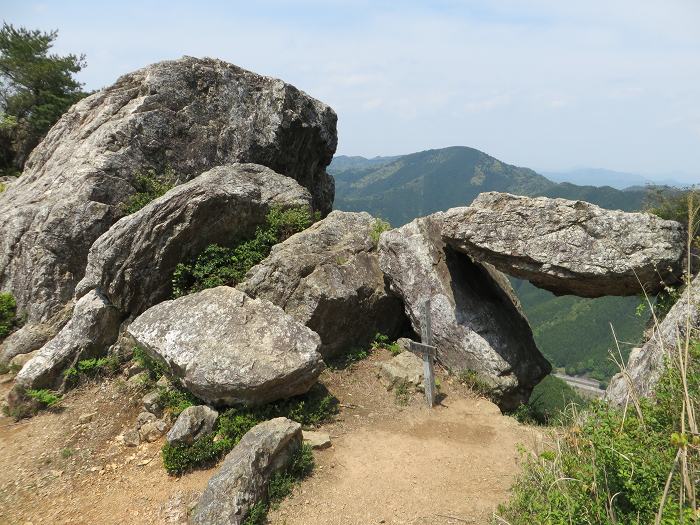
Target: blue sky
547, 84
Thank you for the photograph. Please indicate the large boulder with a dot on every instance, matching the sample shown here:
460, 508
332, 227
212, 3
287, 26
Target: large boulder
133, 262
328, 277
568, 247
243, 478
476, 321
227, 348
646, 364
187, 115
94, 326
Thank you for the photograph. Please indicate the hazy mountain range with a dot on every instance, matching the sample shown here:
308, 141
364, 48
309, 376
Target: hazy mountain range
573, 333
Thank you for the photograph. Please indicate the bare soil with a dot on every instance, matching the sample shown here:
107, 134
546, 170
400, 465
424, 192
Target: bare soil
389, 463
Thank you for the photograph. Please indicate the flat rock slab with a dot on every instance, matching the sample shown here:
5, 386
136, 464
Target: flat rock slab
568, 247
328, 277
646, 364
476, 321
316, 440
133, 262
228, 349
243, 477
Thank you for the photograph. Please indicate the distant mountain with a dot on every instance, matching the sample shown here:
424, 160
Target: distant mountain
573, 333
343, 163
408, 186
616, 179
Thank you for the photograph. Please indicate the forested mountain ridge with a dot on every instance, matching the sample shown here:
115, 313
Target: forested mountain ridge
402, 188
573, 333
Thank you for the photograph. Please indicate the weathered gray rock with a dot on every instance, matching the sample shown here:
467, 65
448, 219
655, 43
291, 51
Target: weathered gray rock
404, 368
33, 336
131, 438
475, 322
20, 360
192, 423
145, 417
153, 430
243, 477
316, 440
568, 247
227, 348
151, 402
328, 277
94, 324
646, 364
133, 262
189, 115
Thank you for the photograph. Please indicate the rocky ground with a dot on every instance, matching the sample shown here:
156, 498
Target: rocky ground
389, 463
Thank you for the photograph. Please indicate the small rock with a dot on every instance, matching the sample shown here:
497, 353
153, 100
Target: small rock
134, 369
193, 423
405, 367
131, 438
316, 440
143, 418
151, 402
86, 418
138, 379
153, 430
164, 382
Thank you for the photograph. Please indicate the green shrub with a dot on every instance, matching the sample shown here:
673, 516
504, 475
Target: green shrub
611, 465
175, 400
45, 398
8, 313
155, 368
383, 341
218, 265
3, 187
548, 402
402, 393
257, 515
149, 186
89, 368
310, 409
379, 227
474, 382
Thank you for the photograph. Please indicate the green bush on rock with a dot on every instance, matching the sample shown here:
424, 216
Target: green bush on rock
310, 409
218, 265
149, 186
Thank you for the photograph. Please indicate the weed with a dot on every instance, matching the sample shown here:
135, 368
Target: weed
8, 313
155, 367
379, 227
474, 382
175, 400
149, 186
3, 187
383, 341
257, 515
219, 265
402, 393
45, 398
67, 452
89, 368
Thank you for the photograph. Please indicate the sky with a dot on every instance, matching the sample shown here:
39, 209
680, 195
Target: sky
548, 84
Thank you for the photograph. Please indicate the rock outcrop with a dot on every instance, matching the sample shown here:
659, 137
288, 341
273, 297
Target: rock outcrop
246, 471
568, 247
92, 328
227, 348
476, 320
133, 262
328, 277
187, 115
646, 364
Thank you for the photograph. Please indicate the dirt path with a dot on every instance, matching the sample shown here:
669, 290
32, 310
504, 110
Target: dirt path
388, 464
450, 465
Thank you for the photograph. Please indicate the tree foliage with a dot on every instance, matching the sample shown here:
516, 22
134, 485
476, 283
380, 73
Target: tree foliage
36, 88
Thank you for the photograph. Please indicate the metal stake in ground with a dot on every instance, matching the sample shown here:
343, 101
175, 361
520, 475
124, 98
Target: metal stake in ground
425, 347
